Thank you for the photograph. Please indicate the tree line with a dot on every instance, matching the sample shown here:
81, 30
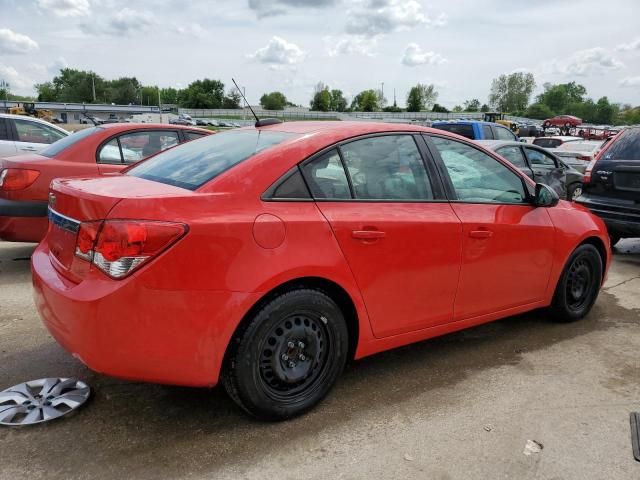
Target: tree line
509, 93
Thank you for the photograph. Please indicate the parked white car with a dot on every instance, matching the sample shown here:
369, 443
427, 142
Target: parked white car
21, 134
578, 154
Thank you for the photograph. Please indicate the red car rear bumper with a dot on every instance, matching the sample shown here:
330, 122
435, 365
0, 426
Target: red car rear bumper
124, 329
22, 221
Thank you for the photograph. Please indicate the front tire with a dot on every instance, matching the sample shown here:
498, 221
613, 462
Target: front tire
574, 191
288, 357
578, 286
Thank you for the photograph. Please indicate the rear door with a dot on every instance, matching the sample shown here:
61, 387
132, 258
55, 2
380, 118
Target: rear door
7, 145
547, 170
515, 155
399, 235
31, 136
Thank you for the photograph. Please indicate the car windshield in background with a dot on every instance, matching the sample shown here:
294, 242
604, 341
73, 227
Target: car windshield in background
193, 164
56, 147
460, 129
547, 142
580, 147
626, 147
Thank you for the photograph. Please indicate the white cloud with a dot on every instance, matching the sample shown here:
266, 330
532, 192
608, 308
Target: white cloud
193, 29
585, 62
15, 43
279, 51
270, 8
123, 23
18, 83
66, 8
627, 47
414, 56
379, 17
57, 65
630, 82
349, 44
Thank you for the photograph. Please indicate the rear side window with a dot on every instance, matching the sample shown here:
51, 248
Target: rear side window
57, 147
195, 163
33, 132
463, 129
389, 167
626, 146
504, 134
326, 177
488, 134
4, 129
193, 135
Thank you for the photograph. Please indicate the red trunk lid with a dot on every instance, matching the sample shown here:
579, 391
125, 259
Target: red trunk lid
72, 201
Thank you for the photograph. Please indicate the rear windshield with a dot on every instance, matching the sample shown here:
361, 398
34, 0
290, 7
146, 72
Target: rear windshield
626, 146
56, 147
547, 142
193, 164
461, 129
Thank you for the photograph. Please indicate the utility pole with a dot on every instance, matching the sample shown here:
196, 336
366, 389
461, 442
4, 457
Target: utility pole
93, 85
394, 98
244, 110
382, 90
159, 105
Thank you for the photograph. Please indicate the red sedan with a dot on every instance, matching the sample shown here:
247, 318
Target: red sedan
562, 121
25, 179
264, 258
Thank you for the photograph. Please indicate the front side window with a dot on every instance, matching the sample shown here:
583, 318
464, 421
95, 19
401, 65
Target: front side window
33, 132
388, 167
326, 177
195, 163
514, 155
477, 177
539, 158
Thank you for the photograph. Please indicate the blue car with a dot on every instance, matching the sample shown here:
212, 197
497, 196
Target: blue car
477, 130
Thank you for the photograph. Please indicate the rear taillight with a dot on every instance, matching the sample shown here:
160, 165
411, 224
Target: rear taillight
118, 247
588, 170
17, 178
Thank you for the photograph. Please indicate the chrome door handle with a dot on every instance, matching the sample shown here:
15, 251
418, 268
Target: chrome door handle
368, 234
481, 234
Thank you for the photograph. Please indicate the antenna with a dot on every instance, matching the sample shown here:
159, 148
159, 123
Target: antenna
245, 100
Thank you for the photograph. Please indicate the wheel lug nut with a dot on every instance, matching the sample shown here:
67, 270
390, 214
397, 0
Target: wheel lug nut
291, 345
285, 357
302, 357
300, 345
291, 364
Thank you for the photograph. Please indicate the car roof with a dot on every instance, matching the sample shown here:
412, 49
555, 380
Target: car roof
466, 122
149, 126
493, 144
348, 129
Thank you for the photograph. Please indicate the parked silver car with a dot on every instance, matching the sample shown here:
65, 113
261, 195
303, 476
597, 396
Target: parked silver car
20, 134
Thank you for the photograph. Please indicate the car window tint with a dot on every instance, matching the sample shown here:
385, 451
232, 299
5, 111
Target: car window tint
33, 132
292, 187
477, 177
57, 147
547, 142
488, 134
389, 167
326, 177
110, 152
538, 158
193, 135
514, 155
463, 129
4, 129
139, 145
504, 134
195, 163
626, 146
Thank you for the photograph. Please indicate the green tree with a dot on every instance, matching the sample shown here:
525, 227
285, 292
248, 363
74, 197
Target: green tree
125, 90
606, 113
458, 109
558, 97
206, 93
510, 93
321, 100
472, 105
439, 108
338, 102
232, 99
46, 92
539, 111
366, 101
273, 101
74, 86
169, 95
421, 97
485, 108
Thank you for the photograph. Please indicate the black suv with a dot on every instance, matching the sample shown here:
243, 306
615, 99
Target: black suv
612, 185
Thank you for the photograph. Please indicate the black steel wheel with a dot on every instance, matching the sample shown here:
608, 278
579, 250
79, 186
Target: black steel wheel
579, 284
289, 355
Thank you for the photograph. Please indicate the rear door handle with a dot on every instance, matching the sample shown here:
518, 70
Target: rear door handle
368, 234
481, 234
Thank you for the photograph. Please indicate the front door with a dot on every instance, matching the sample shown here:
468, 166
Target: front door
547, 170
507, 242
401, 241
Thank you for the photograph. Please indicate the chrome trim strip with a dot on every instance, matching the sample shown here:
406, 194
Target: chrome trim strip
62, 221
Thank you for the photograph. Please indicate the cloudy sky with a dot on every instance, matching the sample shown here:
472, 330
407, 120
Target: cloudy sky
290, 45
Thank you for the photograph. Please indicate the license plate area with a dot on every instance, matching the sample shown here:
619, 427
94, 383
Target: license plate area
63, 232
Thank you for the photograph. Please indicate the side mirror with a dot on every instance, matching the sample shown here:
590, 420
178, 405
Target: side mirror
545, 196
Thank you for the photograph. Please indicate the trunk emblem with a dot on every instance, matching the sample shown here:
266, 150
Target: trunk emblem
52, 199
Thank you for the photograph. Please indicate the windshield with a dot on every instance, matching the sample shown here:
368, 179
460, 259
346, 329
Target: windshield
56, 147
193, 164
626, 146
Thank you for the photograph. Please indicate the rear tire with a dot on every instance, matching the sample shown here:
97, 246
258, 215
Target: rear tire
579, 285
574, 191
288, 357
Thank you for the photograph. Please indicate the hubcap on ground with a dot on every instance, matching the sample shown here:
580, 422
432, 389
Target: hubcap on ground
579, 283
294, 354
41, 400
